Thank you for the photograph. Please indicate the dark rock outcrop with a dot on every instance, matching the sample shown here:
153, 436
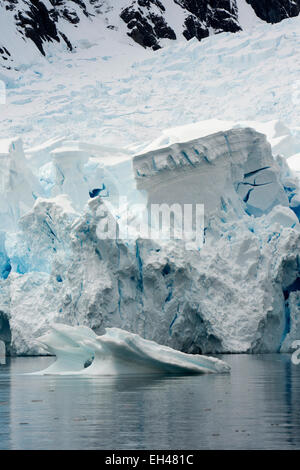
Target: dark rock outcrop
274, 11
147, 27
37, 24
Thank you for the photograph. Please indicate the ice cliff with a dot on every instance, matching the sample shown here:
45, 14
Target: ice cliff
239, 292
142, 126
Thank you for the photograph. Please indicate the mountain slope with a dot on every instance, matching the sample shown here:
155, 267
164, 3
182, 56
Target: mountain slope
31, 26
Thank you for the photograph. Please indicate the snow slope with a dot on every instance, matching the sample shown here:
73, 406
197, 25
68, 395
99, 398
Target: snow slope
87, 123
31, 30
116, 96
43, 27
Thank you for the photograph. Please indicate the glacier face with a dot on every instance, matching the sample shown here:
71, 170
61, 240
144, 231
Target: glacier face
238, 293
111, 126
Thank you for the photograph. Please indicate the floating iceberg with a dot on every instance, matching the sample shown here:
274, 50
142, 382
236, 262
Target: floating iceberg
118, 352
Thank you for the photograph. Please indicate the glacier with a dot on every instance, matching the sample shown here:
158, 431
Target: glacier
79, 351
105, 129
236, 293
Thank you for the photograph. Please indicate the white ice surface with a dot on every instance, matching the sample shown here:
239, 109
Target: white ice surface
82, 121
118, 95
118, 352
294, 163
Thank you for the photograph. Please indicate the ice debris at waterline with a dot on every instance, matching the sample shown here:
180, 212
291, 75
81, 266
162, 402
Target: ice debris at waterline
80, 351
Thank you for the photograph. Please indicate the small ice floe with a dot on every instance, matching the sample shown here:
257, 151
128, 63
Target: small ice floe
79, 351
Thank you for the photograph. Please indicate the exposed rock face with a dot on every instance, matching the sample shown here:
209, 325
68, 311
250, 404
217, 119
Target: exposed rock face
273, 11
37, 24
218, 15
146, 26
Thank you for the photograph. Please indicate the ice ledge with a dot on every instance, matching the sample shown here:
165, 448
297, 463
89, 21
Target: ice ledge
236, 165
244, 147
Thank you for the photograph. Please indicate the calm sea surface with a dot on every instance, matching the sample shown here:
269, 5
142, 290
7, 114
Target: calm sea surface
256, 407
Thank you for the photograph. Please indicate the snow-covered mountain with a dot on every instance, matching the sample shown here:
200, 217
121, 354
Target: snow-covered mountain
26, 25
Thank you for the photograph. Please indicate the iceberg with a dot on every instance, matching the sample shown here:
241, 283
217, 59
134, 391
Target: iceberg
118, 352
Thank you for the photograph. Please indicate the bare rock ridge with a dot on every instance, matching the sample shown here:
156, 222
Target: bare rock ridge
274, 11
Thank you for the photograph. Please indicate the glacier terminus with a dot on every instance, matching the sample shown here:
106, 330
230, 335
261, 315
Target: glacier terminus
203, 118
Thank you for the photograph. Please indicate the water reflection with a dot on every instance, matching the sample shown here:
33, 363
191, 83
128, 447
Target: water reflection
4, 408
255, 407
